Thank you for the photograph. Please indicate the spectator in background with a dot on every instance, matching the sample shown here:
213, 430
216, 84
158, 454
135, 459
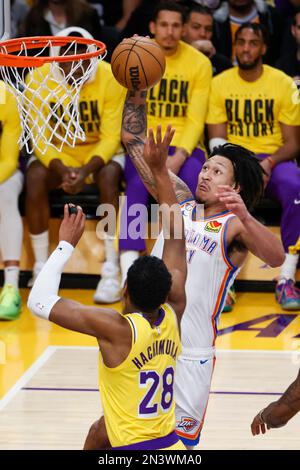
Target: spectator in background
198, 32
257, 106
11, 184
179, 99
49, 17
140, 18
114, 16
100, 106
232, 14
290, 63
18, 12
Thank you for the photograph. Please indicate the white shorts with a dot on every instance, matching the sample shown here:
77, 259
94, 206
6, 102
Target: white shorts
120, 159
192, 387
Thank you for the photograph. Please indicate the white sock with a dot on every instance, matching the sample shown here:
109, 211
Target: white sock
111, 253
289, 267
11, 276
40, 246
127, 258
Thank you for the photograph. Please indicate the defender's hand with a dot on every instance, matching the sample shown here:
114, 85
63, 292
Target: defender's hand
233, 201
156, 152
72, 226
258, 425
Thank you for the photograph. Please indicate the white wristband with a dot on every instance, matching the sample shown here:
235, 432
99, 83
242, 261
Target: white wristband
215, 142
43, 295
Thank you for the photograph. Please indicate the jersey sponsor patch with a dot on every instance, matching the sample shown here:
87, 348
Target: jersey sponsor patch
213, 226
188, 424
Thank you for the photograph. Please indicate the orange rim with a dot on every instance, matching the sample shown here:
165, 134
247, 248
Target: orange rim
36, 42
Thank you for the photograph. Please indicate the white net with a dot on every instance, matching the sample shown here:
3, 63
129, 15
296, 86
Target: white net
48, 96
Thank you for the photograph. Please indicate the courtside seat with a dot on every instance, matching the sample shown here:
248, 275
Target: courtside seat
268, 211
88, 200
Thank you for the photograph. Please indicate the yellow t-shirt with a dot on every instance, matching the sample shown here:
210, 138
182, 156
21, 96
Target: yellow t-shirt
254, 110
100, 108
10, 131
181, 97
138, 395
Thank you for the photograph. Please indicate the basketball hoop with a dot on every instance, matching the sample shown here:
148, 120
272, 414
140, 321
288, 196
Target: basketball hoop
48, 100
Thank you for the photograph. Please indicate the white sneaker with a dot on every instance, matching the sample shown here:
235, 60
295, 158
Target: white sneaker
35, 272
108, 289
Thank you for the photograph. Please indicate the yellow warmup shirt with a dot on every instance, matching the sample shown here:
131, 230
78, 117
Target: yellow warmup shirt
10, 131
138, 395
100, 107
181, 97
254, 110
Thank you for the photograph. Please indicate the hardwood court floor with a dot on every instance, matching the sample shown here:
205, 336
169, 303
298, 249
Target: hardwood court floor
49, 391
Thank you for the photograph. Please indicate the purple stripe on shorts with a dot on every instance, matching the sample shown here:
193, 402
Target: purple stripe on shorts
152, 444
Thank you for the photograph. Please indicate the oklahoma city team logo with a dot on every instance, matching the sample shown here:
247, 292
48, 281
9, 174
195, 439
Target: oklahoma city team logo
188, 424
213, 226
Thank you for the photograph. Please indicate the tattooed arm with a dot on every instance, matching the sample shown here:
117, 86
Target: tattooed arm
278, 413
134, 127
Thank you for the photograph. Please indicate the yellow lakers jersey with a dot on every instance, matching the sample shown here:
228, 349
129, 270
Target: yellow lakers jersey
10, 131
138, 395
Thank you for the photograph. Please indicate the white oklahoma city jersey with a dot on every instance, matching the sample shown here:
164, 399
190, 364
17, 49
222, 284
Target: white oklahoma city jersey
210, 273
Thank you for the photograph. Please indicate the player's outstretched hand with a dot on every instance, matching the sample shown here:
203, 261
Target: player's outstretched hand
72, 226
233, 201
156, 149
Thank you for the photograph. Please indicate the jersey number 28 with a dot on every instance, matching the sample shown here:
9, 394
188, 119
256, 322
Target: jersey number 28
151, 401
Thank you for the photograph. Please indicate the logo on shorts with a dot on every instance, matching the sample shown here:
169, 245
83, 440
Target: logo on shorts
213, 226
188, 424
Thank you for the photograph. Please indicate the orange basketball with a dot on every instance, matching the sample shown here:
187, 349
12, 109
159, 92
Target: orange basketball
138, 63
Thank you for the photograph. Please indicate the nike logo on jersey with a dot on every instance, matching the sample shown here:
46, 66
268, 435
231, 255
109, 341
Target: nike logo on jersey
203, 362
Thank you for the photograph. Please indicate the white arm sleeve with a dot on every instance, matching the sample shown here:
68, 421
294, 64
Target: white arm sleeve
43, 295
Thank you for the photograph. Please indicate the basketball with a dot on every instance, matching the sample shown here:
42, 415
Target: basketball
138, 63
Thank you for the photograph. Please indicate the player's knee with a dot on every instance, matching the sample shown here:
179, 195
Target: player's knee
97, 438
110, 175
36, 178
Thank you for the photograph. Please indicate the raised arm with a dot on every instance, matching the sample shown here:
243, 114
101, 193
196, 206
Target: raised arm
246, 231
134, 128
174, 253
278, 413
105, 324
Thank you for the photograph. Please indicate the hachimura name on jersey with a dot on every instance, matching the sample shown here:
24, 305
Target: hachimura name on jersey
161, 347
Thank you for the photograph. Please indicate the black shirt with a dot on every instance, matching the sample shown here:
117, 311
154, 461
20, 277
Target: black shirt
289, 64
